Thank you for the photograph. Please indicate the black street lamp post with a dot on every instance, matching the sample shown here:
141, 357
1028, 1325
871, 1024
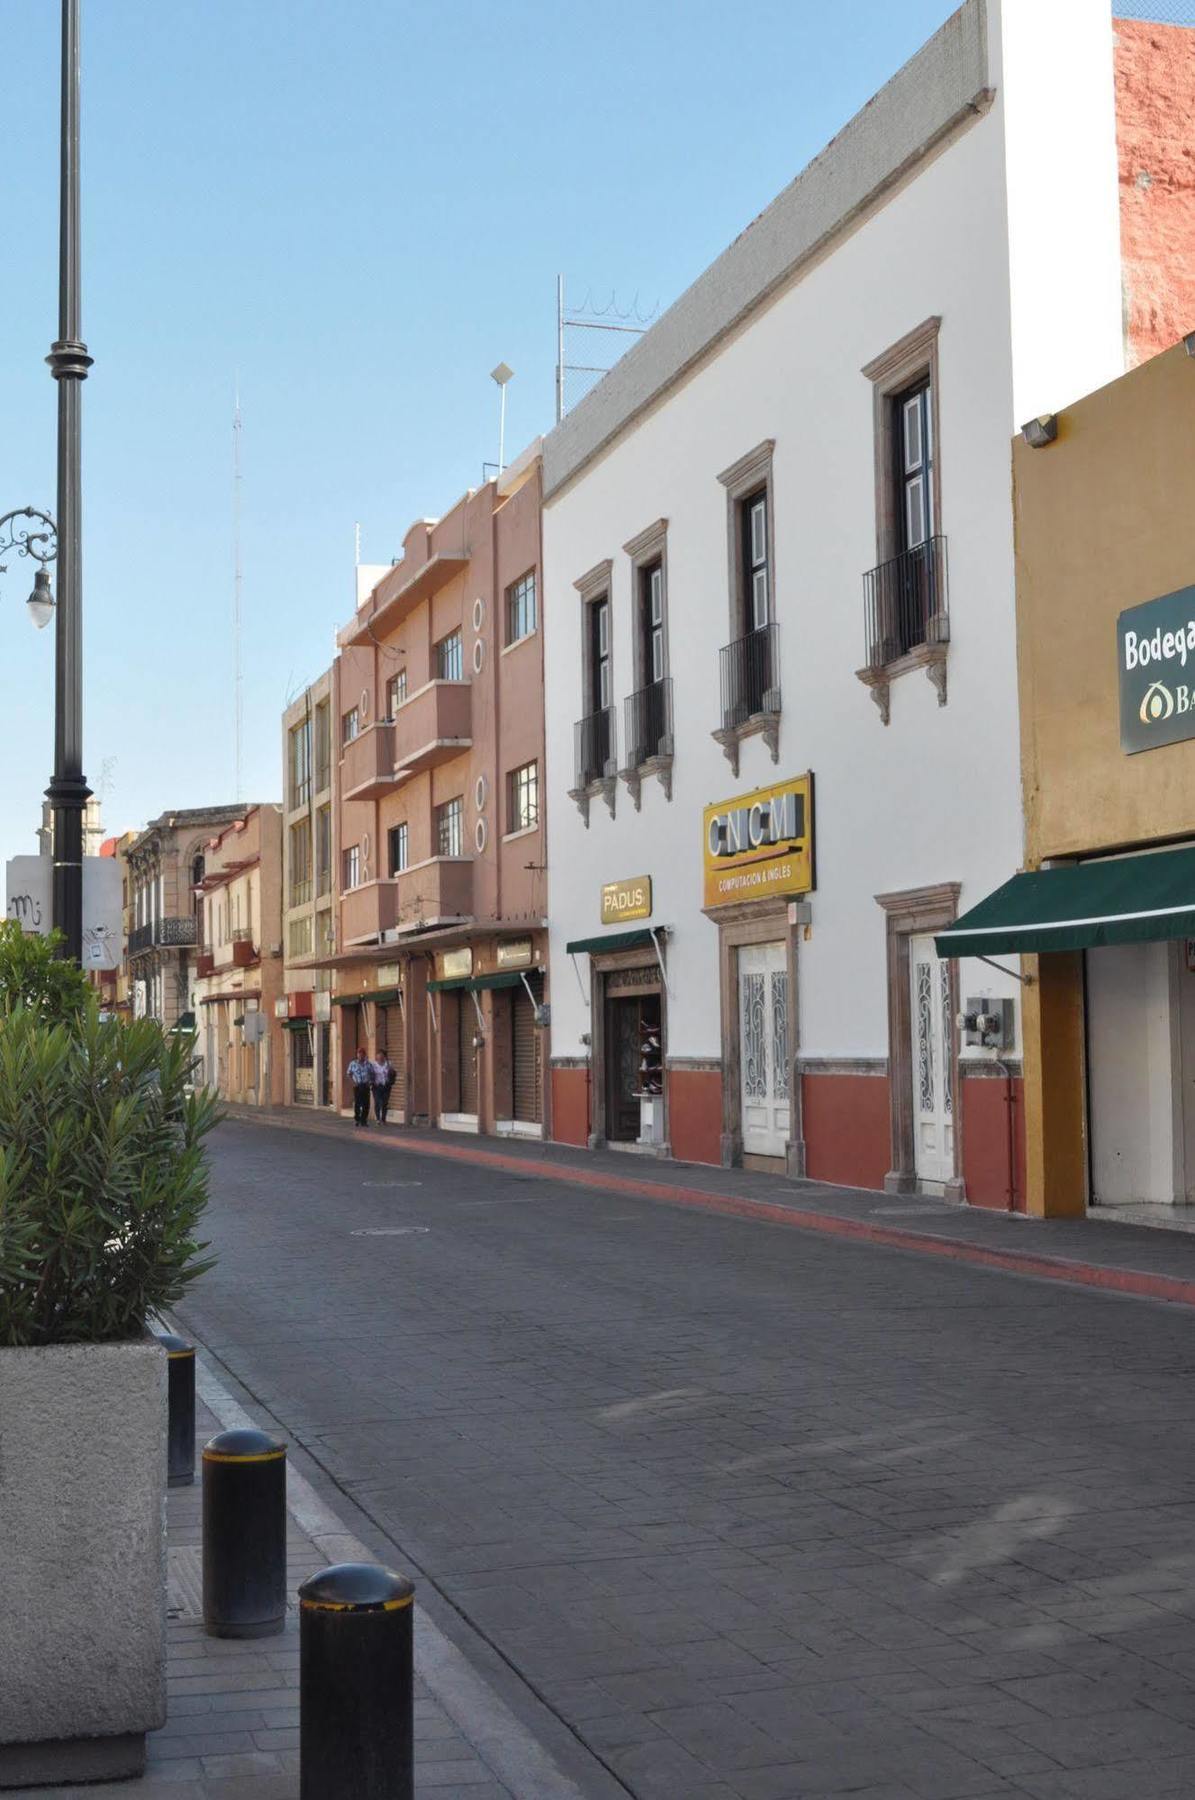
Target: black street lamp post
68, 792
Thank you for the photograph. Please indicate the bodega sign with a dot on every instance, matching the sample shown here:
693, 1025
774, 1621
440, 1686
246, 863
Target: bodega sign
760, 844
1155, 646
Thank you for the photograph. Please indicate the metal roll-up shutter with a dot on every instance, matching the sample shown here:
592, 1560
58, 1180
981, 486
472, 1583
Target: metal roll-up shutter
528, 1081
396, 1043
468, 1055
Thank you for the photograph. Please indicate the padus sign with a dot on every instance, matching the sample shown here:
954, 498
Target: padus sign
1155, 647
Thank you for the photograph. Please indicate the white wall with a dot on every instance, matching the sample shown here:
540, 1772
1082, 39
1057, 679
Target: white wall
1135, 1153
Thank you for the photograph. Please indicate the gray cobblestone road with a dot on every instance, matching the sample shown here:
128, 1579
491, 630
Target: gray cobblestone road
757, 1515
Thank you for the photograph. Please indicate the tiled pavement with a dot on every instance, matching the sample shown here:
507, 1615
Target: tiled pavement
760, 1516
233, 1726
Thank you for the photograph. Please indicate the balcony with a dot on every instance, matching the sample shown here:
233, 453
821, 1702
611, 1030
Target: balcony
300, 891
367, 771
244, 951
205, 963
162, 934
750, 692
906, 620
595, 760
648, 721
433, 726
433, 892
399, 593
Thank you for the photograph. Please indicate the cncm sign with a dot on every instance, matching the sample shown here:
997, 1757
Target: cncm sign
626, 899
760, 844
1155, 646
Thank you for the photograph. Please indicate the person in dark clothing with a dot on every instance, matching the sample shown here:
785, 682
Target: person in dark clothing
383, 1081
361, 1076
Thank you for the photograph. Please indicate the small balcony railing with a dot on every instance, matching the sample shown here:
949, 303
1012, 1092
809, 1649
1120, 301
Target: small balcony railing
323, 882
905, 604
750, 677
649, 723
170, 934
595, 746
141, 938
300, 891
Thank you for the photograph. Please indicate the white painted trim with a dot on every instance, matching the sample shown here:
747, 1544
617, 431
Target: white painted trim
517, 1128
458, 1122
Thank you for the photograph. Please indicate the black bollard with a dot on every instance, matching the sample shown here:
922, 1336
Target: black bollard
180, 1367
244, 1535
356, 1675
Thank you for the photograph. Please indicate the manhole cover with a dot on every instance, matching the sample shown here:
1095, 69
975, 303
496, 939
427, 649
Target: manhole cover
390, 1231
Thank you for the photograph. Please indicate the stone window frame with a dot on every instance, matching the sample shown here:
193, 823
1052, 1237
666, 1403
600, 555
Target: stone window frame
596, 584
647, 547
743, 478
913, 357
910, 913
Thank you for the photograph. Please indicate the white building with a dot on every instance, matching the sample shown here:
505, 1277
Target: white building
778, 540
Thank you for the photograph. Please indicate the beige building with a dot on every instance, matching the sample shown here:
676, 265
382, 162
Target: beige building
239, 966
301, 1025
164, 866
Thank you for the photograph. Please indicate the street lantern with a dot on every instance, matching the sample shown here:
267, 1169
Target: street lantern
41, 600
37, 540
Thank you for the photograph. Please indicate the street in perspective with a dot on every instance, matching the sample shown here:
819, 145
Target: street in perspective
597, 989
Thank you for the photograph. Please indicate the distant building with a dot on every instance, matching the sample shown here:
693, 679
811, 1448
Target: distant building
237, 896
93, 829
165, 870
303, 1030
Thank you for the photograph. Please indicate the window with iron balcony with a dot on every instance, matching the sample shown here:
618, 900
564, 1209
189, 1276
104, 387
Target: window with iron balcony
749, 666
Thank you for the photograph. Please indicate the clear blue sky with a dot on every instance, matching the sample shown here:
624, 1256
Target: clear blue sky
363, 208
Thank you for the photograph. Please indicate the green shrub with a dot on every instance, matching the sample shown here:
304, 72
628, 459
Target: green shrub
103, 1178
34, 975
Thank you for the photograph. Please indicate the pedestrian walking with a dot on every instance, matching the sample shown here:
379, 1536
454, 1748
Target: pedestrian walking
361, 1076
383, 1081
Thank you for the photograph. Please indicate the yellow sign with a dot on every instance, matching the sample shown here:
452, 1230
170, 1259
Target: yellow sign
515, 954
456, 962
760, 844
626, 899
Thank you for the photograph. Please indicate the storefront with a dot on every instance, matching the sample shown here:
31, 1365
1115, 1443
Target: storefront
487, 1020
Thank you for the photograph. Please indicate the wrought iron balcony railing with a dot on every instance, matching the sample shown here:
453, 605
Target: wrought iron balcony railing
649, 723
906, 604
750, 677
170, 934
595, 745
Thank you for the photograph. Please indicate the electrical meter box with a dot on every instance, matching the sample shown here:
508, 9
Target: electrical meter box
987, 1024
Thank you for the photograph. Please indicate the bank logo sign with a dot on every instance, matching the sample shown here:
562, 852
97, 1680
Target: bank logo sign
760, 844
1156, 656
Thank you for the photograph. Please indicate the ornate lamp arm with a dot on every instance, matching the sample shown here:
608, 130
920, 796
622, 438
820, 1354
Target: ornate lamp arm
26, 540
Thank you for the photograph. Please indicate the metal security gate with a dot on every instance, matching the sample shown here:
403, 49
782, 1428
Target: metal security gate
395, 1040
525, 1058
467, 1054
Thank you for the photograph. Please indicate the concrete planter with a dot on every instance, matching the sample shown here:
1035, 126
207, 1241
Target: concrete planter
82, 1560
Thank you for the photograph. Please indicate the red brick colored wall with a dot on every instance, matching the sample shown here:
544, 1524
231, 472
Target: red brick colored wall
986, 1146
695, 1115
570, 1106
847, 1133
1155, 106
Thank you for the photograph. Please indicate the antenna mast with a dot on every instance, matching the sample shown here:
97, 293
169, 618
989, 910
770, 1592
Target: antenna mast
238, 697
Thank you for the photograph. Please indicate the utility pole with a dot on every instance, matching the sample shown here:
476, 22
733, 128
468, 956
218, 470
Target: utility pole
68, 792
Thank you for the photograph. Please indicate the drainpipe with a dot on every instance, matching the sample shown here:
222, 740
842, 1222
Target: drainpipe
1010, 1101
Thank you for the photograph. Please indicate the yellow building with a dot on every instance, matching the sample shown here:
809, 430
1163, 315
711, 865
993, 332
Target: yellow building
1104, 912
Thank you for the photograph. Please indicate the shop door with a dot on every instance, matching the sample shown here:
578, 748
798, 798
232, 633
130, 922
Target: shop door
525, 1064
325, 1065
622, 1068
468, 1055
396, 1039
302, 1053
933, 1062
763, 1048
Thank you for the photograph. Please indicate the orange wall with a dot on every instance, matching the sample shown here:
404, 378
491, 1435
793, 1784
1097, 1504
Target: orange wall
1155, 103
570, 1106
986, 1143
847, 1129
695, 1114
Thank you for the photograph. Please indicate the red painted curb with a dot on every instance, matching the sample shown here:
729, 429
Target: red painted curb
1138, 1283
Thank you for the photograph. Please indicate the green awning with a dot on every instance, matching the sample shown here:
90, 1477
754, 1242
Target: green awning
295, 1024
386, 996
1123, 900
503, 978
451, 981
611, 940
348, 999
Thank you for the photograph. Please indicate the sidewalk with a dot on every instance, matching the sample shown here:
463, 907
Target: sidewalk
233, 1727
1145, 1262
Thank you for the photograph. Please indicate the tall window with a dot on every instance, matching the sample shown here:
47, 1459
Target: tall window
300, 764
298, 936
450, 819
323, 849
350, 725
396, 692
450, 659
651, 621
522, 797
912, 441
599, 654
398, 848
300, 863
520, 608
323, 746
351, 866
753, 525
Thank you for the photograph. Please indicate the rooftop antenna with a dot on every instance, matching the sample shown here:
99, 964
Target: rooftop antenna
501, 375
238, 698
357, 545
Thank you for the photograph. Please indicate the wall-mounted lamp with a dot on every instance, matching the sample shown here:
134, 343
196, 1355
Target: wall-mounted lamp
1040, 431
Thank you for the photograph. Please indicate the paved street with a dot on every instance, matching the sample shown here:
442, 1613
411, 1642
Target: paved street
752, 1512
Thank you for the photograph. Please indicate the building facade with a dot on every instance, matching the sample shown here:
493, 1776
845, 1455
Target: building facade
1105, 912
164, 867
303, 1039
239, 962
782, 738
439, 833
